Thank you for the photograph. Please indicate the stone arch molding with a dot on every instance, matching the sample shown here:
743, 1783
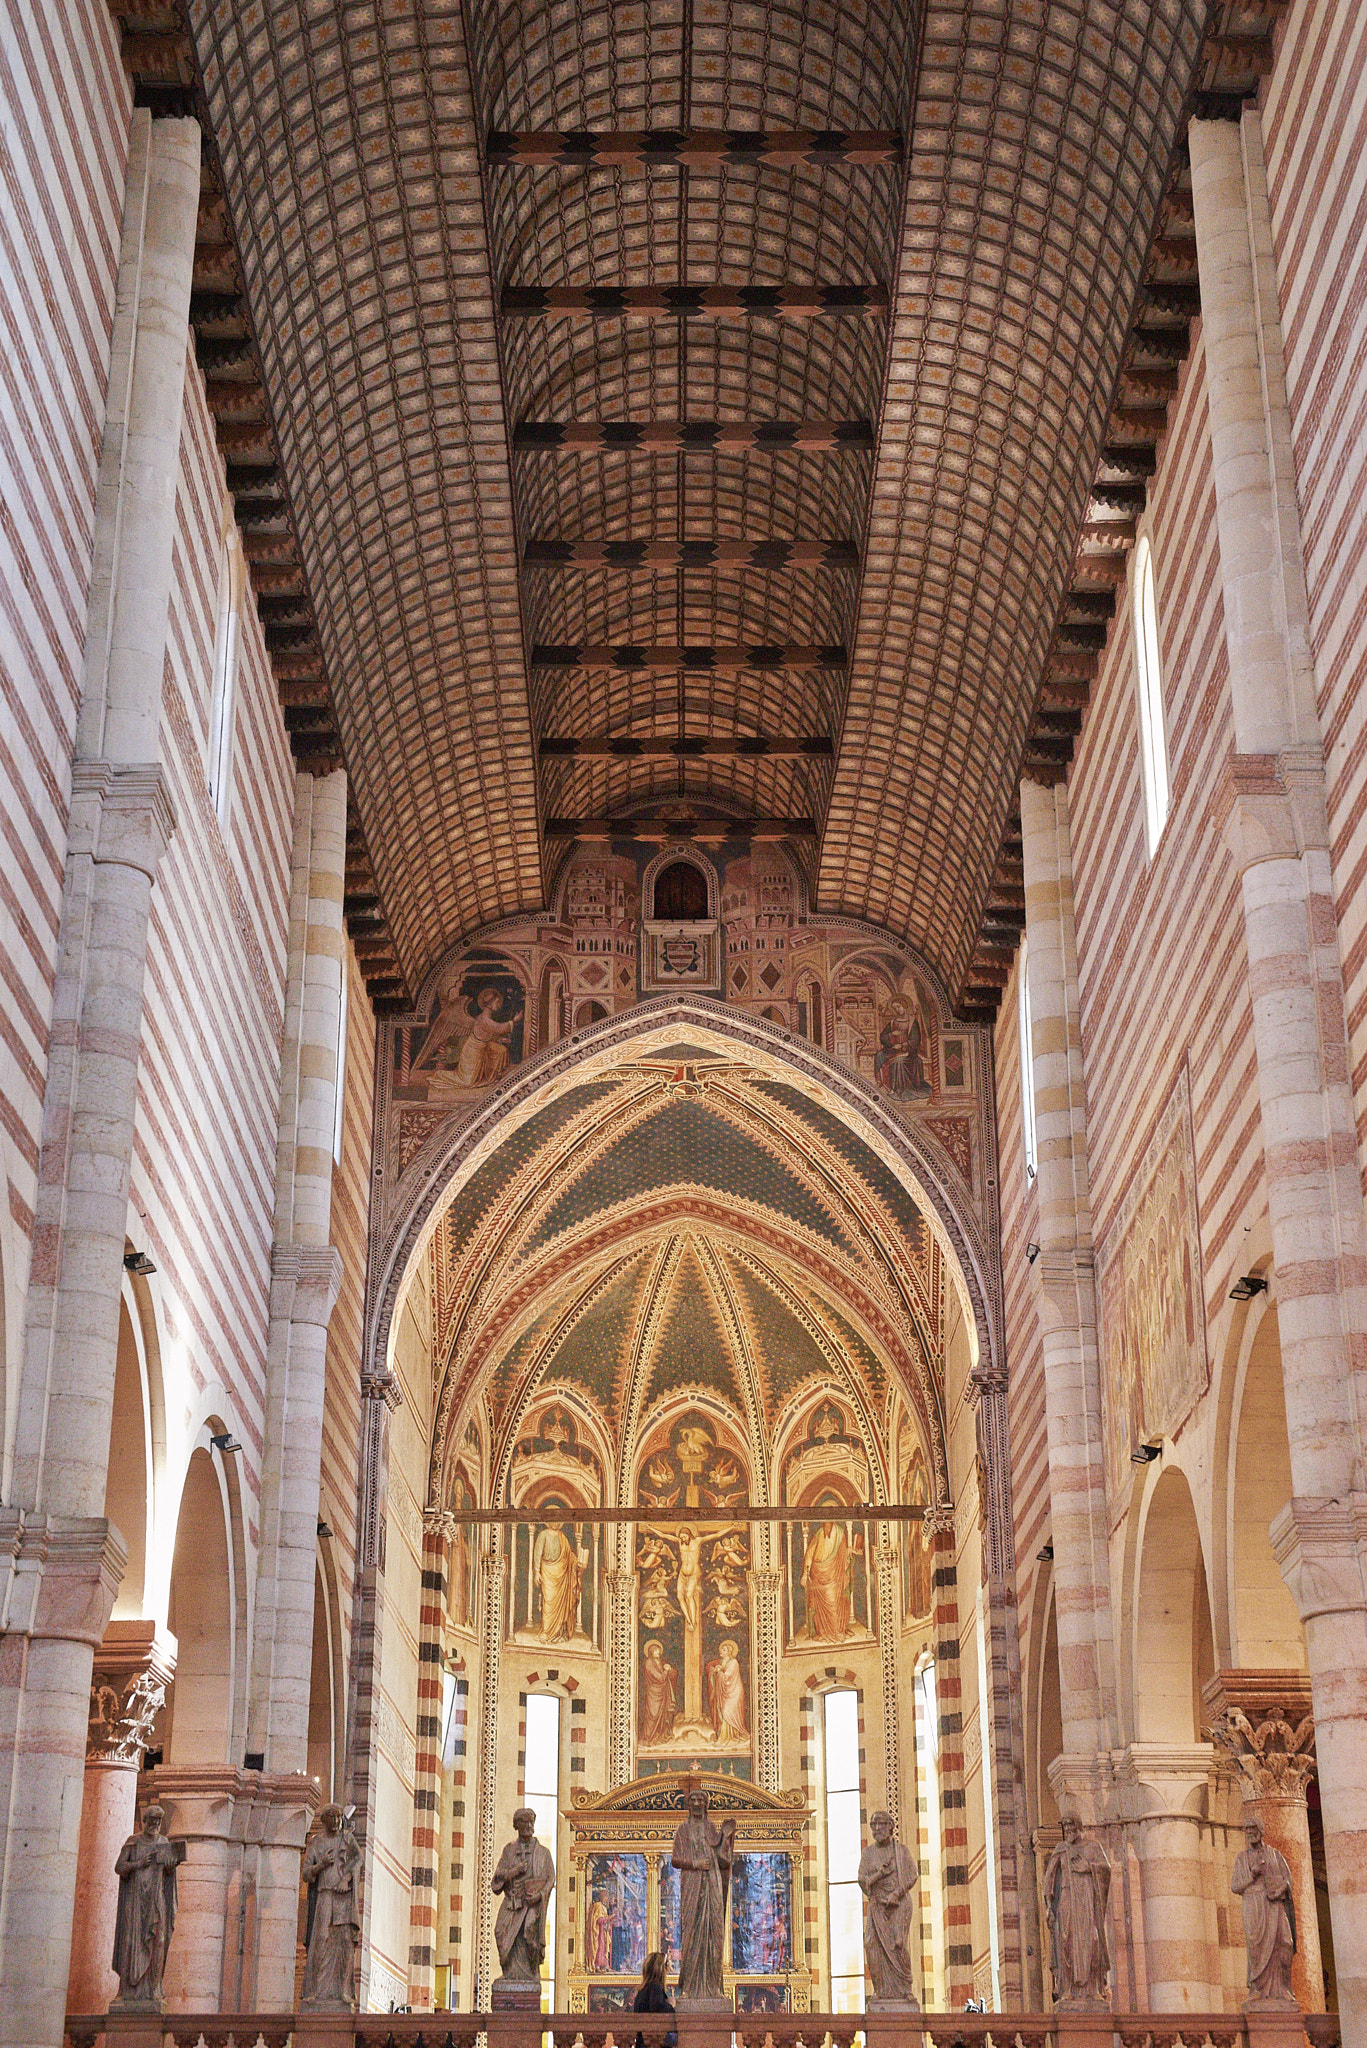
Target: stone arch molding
470, 1137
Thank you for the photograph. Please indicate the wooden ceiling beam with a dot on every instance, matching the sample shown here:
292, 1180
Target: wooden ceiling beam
696, 301
670, 437
662, 830
691, 554
811, 746
698, 149
707, 659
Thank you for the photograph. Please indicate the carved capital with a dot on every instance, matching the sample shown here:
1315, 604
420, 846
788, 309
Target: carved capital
122, 816
134, 1664
938, 1519
439, 1522
381, 1386
1261, 1721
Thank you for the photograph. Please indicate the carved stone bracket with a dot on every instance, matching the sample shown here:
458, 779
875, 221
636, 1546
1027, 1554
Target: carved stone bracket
1262, 1722
134, 1664
381, 1386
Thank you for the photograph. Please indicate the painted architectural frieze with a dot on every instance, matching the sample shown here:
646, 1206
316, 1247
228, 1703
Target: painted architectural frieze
629, 923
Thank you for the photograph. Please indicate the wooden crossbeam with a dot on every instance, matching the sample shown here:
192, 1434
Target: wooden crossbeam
812, 746
715, 659
692, 554
661, 830
699, 149
670, 437
696, 301
606, 1517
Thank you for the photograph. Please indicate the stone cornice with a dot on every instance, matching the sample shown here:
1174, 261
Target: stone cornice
121, 815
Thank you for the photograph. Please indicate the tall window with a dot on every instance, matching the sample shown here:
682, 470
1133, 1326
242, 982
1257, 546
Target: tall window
541, 1791
1153, 739
1027, 1066
223, 697
340, 1102
844, 1900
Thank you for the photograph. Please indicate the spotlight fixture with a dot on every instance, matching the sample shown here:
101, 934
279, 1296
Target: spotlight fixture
324, 1528
1247, 1286
225, 1443
1045, 1556
138, 1262
1144, 1454
1031, 1254
254, 1760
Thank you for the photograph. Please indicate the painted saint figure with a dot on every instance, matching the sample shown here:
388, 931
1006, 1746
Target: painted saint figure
524, 1880
898, 1065
484, 1049
602, 1919
458, 1568
726, 1694
334, 1922
888, 1877
703, 1855
659, 1697
828, 1582
146, 1870
558, 1569
1262, 1882
1077, 1886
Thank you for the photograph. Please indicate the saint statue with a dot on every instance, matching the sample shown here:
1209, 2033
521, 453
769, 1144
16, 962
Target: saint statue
1262, 1881
146, 1869
659, 1695
1077, 1886
888, 1877
558, 1569
828, 1582
333, 1926
703, 1855
524, 1880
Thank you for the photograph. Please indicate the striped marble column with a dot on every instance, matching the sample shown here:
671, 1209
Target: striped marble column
61, 1565
1067, 1310
1277, 829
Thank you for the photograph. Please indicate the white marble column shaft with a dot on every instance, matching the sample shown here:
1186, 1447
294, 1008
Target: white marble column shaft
1277, 828
120, 822
1067, 1306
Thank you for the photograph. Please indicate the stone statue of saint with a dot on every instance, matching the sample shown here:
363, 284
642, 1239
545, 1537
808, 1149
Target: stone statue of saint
1262, 1880
888, 1877
524, 1880
703, 1855
334, 1922
1077, 1886
146, 1869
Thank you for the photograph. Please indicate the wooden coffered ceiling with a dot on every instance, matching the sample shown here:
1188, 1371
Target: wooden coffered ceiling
742, 407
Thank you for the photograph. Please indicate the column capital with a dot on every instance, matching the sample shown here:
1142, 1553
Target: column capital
121, 816
305, 1280
1262, 1722
381, 1386
1321, 1546
1060, 1270
134, 1664
1166, 1780
1272, 806
59, 1575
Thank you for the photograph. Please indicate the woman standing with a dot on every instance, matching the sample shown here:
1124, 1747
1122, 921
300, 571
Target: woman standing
653, 1997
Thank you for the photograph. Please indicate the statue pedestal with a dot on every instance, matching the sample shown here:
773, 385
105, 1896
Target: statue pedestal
891, 2005
1273, 2028
134, 2026
316, 2027
705, 2005
513, 1994
1074, 2028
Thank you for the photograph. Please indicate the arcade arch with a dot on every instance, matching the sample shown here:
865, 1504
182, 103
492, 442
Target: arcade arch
1173, 1652
690, 1269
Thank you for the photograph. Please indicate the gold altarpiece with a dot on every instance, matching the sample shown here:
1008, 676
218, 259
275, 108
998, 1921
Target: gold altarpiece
625, 1890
